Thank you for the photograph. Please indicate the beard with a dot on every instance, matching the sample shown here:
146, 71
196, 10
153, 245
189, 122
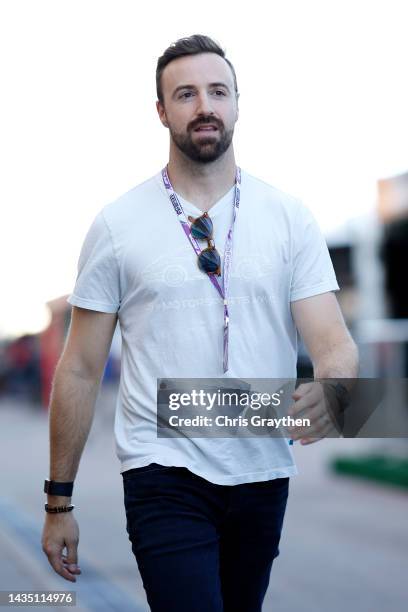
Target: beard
207, 149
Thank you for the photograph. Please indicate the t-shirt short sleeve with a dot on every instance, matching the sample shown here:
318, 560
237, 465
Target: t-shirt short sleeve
97, 285
313, 271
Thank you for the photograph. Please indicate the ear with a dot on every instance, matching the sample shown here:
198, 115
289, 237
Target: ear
237, 116
162, 113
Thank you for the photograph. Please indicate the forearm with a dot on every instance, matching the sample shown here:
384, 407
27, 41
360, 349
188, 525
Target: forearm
72, 408
338, 361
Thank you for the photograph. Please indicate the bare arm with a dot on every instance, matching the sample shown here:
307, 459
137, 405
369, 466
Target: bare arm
75, 387
333, 354
327, 339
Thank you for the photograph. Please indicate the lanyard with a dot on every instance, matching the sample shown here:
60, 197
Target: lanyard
222, 290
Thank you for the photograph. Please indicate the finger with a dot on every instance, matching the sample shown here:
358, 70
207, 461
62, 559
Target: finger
58, 566
317, 414
303, 404
307, 388
320, 425
321, 431
302, 390
318, 432
306, 441
71, 558
72, 569
315, 397
300, 405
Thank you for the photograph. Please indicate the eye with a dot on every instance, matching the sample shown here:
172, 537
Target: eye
219, 93
186, 95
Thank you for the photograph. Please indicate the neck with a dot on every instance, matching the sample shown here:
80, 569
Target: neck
201, 184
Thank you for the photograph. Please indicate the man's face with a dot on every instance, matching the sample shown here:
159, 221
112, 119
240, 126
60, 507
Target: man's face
199, 105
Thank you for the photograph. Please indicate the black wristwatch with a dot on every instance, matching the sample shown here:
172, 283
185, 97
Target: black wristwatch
343, 400
342, 395
63, 489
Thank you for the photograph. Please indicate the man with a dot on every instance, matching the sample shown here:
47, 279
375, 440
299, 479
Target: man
204, 515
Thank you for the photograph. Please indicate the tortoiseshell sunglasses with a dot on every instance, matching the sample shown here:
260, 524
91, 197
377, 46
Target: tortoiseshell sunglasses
209, 260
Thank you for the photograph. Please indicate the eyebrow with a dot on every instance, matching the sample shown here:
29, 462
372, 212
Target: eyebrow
217, 84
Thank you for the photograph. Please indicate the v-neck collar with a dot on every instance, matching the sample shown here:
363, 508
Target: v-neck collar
215, 209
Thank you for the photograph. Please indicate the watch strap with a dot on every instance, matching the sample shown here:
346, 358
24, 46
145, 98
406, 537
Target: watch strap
342, 394
63, 489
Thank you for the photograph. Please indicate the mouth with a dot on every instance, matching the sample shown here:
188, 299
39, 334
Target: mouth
206, 128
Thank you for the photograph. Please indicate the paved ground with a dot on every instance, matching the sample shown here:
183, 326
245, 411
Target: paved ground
344, 545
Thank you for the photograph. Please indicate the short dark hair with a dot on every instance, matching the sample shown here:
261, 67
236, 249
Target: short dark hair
191, 45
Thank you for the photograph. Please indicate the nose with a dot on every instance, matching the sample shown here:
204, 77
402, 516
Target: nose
204, 104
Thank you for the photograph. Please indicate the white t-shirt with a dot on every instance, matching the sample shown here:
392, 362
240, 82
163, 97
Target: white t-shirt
137, 261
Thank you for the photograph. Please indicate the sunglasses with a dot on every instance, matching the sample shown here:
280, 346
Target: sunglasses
209, 260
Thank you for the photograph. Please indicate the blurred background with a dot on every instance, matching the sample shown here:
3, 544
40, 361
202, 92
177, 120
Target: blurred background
323, 102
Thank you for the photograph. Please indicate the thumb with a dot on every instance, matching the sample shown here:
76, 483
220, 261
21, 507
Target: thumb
298, 393
71, 560
301, 390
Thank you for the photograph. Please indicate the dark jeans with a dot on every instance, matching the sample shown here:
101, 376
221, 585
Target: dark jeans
200, 546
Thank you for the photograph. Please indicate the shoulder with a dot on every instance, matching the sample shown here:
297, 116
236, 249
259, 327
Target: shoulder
139, 199
271, 197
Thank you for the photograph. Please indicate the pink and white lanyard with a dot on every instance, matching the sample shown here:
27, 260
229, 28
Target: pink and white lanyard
223, 291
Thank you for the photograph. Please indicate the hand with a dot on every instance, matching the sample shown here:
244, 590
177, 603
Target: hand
310, 403
61, 531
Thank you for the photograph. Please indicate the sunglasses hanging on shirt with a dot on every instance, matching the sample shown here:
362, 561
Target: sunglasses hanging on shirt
209, 259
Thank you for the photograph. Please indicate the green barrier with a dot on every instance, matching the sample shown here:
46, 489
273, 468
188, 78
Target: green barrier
387, 470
